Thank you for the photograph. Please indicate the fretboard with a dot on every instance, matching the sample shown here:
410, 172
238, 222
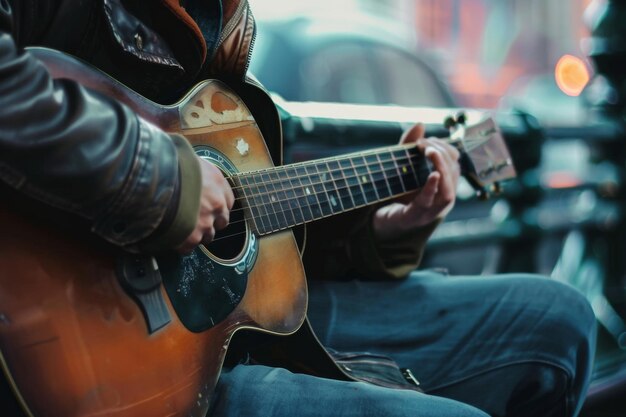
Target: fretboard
282, 197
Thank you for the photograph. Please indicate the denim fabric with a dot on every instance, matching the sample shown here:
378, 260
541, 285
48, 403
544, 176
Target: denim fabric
256, 390
508, 345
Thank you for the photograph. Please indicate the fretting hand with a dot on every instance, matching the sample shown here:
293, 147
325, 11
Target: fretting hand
433, 201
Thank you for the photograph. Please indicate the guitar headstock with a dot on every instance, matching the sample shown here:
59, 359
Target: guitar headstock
485, 158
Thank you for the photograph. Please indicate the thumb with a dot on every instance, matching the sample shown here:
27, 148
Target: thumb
413, 134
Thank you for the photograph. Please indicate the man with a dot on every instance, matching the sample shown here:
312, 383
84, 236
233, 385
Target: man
514, 346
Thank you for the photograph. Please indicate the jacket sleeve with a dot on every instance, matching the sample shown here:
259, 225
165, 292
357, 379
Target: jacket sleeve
89, 155
345, 246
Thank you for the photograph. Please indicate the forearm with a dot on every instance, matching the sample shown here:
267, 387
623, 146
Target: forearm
345, 246
84, 153
390, 258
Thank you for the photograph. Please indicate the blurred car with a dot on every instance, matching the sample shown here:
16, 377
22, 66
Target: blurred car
540, 96
308, 59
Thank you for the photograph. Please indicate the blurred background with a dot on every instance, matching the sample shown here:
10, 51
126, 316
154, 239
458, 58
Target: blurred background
352, 74
485, 51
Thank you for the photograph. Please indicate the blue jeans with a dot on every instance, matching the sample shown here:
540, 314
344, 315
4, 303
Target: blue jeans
505, 346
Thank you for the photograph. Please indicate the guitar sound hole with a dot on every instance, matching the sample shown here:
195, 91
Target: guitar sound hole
230, 242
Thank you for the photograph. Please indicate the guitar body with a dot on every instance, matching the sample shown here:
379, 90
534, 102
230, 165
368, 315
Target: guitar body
86, 330
73, 342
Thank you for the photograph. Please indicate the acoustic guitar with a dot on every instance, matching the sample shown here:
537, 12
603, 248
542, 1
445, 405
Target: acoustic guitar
91, 332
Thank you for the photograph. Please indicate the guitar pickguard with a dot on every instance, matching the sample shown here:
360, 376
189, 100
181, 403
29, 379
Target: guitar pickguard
204, 288
202, 291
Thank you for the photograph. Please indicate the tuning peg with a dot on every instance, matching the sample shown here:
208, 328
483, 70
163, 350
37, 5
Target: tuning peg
482, 194
461, 118
496, 188
449, 122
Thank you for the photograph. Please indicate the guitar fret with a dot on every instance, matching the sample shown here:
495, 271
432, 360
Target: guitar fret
378, 176
413, 156
274, 200
238, 181
292, 199
277, 178
320, 191
356, 191
391, 173
309, 191
330, 187
264, 197
399, 173
366, 179
423, 166
409, 181
341, 185
301, 198
259, 215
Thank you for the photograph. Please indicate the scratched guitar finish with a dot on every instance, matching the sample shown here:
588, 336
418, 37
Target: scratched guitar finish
73, 342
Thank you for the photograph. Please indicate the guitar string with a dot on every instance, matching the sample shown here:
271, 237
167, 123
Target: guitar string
268, 215
314, 164
329, 171
346, 178
329, 188
378, 152
309, 204
280, 182
304, 221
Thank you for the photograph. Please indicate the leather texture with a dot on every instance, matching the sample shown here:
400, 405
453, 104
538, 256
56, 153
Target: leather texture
125, 180
165, 53
232, 54
79, 151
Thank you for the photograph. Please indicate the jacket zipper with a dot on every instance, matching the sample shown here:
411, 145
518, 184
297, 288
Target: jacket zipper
364, 355
252, 41
364, 361
232, 23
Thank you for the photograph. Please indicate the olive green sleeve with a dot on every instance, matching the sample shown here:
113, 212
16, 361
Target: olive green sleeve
345, 246
184, 209
391, 258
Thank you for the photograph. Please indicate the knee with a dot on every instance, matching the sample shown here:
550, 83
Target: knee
565, 324
551, 318
569, 310
562, 304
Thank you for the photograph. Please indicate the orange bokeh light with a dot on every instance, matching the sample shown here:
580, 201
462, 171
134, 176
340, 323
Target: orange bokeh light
571, 75
557, 180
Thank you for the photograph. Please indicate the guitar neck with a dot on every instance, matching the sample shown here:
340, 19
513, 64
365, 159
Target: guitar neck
282, 197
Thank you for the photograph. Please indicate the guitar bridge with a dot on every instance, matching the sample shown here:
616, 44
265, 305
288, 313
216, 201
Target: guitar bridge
140, 277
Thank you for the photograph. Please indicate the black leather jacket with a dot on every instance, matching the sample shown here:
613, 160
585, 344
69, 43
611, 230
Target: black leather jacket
86, 154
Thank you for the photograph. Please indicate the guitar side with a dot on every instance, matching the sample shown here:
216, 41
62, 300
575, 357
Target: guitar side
72, 341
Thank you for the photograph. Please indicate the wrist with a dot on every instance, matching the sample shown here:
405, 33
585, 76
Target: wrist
391, 222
